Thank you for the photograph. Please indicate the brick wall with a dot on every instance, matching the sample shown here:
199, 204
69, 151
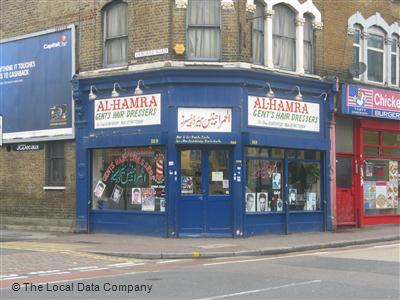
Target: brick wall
23, 199
333, 45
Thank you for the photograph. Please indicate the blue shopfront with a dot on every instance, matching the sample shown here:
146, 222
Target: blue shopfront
185, 152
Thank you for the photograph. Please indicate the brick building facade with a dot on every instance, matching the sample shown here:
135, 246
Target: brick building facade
161, 24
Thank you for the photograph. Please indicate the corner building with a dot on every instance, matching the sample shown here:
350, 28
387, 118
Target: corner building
216, 126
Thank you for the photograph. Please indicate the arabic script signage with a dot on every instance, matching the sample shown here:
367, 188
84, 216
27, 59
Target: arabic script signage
370, 102
204, 119
127, 111
283, 114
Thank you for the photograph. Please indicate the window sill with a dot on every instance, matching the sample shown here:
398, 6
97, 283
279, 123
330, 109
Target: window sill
54, 188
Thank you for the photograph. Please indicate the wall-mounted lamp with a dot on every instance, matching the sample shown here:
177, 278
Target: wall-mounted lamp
270, 93
92, 95
138, 90
299, 96
322, 94
325, 96
114, 92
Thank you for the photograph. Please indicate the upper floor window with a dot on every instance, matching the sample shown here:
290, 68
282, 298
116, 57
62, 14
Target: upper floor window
394, 62
356, 46
375, 56
308, 47
284, 38
204, 29
375, 43
258, 34
115, 34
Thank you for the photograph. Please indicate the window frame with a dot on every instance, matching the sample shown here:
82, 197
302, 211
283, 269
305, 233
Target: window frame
395, 43
380, 146
50, 158
282, 4
312, 45
268, 155
377, 33
202, 26
261, 32
108, 7
359, 46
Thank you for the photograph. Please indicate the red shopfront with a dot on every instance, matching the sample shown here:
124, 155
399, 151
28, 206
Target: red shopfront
368, 157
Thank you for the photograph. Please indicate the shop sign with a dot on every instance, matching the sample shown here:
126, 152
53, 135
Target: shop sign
370, 102
127, 111
204, 119
27, 147
283, 114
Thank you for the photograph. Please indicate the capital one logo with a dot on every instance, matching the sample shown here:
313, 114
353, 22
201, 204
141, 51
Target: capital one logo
62, 42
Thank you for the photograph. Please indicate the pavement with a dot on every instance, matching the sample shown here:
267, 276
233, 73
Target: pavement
143, 247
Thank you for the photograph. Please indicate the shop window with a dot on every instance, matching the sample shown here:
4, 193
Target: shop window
381, 143
204, 29
381, 187
55, 160
257, 152
284, 38
128, 179
266, 181
308, 47
304, 185
258, 34
264, 187
390, 138
115, 33
371, 137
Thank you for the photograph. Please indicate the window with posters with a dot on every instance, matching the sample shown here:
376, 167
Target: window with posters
264, 186
266, 179
128, 179
381, 186
381, 172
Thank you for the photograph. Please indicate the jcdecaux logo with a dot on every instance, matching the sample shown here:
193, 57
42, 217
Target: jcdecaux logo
62, 42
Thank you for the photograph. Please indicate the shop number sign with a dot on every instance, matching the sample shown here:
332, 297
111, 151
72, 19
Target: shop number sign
127, 111
284, 114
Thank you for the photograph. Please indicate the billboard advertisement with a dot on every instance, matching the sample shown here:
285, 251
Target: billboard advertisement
35, 89
370, 102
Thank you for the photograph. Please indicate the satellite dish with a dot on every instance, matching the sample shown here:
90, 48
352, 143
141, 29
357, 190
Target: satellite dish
357, 69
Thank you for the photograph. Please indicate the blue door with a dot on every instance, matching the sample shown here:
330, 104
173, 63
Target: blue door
205, 202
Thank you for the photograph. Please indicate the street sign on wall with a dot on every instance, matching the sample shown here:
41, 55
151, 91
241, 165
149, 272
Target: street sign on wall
35, 89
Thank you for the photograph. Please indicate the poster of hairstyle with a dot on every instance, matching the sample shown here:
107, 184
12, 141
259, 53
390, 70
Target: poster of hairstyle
148, 199
311, 203
187, 185
117, 194
162, 204
262, 202
276, 181
99, 189
250, 202
278, 200
292, 196
136, 196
